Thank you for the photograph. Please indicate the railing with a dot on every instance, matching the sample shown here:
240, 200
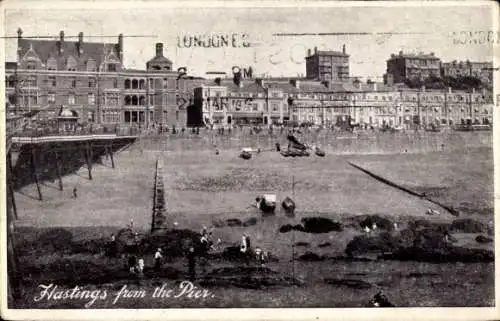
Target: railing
78, 131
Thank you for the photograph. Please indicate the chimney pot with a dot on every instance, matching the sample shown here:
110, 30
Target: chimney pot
308, 52
19, 33
61, 35
343, 48
80, 37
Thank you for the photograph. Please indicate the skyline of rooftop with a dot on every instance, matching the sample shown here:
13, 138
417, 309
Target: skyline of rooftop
367, 31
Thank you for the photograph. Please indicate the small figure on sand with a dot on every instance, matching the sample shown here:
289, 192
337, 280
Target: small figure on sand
191, 264
157, 259
75, 192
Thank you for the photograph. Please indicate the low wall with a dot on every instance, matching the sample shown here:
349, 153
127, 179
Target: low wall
332, 142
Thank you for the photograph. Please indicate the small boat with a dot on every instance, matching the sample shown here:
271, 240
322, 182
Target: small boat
319, 152
245, 154
266, 203
289, 206
295, 153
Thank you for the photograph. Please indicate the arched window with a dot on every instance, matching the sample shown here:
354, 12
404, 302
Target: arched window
142, 100
134, 100
127, 83
141, 84
127, 100
134, 84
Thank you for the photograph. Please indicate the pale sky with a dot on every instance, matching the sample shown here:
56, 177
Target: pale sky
268, 54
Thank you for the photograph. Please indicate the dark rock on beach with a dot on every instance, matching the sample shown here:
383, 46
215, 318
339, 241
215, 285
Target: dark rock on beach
350, 283
320, 225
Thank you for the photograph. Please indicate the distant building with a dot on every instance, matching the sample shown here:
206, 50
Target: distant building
90, 80
330, 66
480, 70
412, 66
370, 104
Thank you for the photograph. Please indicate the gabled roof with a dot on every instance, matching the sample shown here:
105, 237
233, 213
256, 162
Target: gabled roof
50, 48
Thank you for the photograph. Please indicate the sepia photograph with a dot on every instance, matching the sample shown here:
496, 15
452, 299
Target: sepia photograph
253, 155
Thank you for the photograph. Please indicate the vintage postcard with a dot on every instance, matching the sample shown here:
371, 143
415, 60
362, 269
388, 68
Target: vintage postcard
295, 160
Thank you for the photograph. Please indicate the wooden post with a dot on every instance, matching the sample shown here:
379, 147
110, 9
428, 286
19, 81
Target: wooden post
88, 155
110, 149
9, 184
58, 165
33, 172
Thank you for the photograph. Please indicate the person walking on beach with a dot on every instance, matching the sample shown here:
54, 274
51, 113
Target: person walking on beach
158, 258
74, 192
191, 264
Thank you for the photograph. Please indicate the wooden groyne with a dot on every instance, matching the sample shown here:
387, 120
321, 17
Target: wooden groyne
159, 206
450, 209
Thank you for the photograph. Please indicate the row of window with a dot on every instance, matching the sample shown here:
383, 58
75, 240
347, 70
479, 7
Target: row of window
72, 65
141, 83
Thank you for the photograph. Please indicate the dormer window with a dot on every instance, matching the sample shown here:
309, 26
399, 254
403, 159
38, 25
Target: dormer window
91, 65
71, 64
52, 64
31, 65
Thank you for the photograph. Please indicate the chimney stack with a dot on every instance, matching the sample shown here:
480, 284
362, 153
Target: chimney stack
315, 50
343, 48
61, 42
120, 46
159, 49
80, 42
19, 33
308, 52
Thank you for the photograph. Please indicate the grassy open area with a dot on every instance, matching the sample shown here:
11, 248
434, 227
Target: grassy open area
203, 188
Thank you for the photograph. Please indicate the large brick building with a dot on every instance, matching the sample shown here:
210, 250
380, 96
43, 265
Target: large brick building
412, 66
330, 66
90, 80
